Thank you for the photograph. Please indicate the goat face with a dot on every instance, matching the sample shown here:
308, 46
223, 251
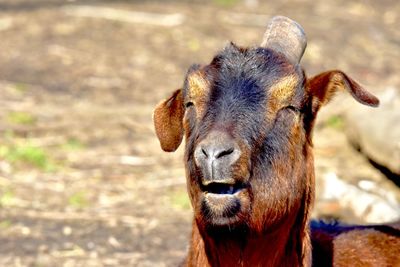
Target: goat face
247, 119
245, 138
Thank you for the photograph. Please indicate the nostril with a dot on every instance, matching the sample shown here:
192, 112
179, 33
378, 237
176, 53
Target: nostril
204, 152
225, 153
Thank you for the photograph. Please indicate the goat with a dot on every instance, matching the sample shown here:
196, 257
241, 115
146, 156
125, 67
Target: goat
247, 118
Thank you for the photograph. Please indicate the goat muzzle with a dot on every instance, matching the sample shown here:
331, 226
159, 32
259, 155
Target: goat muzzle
215, 156
224, 191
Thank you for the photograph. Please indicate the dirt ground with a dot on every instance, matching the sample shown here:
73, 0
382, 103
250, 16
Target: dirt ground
83, 181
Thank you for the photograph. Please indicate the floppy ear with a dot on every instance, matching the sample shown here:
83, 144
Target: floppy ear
167, 117
323, 86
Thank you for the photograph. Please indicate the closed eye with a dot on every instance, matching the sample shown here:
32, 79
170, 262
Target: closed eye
293, 108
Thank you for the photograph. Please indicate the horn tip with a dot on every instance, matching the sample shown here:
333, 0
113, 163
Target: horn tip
287, 36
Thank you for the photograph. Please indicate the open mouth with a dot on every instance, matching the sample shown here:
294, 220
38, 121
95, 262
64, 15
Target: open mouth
221, 188
223, 200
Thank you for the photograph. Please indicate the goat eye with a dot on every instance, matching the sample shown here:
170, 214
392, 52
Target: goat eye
188, 104
293, 108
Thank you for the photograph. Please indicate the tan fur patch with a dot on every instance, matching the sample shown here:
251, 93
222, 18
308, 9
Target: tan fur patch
198, 85
198, 91
280, 94
283, 90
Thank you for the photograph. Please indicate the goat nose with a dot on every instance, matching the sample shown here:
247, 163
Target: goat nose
215, 161
215, 156
211, 152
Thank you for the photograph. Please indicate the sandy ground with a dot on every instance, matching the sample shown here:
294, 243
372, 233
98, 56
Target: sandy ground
83, 181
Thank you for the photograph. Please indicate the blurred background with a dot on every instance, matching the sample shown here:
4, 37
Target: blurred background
83, 181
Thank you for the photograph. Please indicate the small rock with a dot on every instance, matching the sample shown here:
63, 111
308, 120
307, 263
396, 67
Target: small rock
67, 231
114, 242
26, 230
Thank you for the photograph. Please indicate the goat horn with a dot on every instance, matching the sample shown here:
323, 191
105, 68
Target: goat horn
285, 36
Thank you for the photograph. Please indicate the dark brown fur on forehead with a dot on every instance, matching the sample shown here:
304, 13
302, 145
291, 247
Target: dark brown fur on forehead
259, 64
252, 75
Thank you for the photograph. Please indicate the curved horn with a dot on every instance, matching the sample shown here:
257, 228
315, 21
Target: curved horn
285, 36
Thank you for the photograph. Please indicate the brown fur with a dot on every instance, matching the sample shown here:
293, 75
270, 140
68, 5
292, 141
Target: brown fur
275, 166
198, 91
377, 245
168, 124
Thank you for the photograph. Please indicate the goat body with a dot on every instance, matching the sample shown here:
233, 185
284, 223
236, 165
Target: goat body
247, 119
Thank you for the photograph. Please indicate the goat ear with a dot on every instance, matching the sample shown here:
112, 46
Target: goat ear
323, 86
167, 117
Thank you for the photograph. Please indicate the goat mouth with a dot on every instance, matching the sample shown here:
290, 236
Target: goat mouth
221, 188
224, 203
